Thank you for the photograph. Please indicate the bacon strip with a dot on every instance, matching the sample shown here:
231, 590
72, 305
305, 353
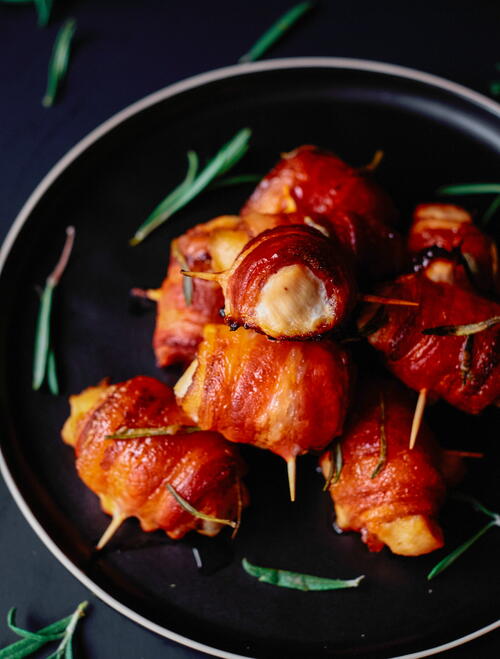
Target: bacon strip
289, 397
397, 504
130, 475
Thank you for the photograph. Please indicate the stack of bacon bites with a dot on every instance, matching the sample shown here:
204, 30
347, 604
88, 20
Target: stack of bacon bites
276, 294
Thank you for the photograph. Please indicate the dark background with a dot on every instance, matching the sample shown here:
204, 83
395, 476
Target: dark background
124, 50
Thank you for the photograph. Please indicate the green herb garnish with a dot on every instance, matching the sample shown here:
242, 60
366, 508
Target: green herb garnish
383, 441
58, 64
474, 189
452, 557
187, 282
196, 513
44, 361
276, 31
31, 642
138, 433
463, 330
194, 183
296, 580
336, 464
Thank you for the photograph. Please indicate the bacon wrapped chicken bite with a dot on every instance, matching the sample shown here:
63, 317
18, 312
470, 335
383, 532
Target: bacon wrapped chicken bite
447, 346
290, 282
311, 183
448, 227
289, 397
130, 475
384, 490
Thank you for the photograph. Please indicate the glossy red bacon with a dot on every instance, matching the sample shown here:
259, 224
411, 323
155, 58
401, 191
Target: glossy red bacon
289, 397
130, 475
289, 282
464, 370
450, 228
392, 501
309, 182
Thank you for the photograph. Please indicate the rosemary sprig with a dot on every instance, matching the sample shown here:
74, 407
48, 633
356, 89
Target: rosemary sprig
196, 513
336, 464
474, 189
194, 183
463, 330
138, 433
383, 441
32, 641
296, 580
43, 346
452, 556
187, 282
276, 31
58, 64
44, 9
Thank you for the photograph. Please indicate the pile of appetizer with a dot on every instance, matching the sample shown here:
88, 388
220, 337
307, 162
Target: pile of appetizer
263, 309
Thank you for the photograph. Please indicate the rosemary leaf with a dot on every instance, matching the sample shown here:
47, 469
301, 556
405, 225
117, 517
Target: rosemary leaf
383, 441
187, 282
44, 9
32, 636
296, 580
137, 433
42, 336
28, 646
52, 380
276, 31
42, 360
196, 513
65, 648
224, 159
452, 557
469, 189
336, 464
490, 211
58, 64
463, 330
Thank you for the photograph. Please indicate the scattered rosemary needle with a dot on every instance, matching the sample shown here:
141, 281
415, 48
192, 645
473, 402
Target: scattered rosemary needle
194, 183
336, 464
58, 64
187, 282
138, 433
475, 189
230, 181
383, 441
31, 642
44, 9
276, 31
296, 580
196, 513
463, 330
452, 556
43, 362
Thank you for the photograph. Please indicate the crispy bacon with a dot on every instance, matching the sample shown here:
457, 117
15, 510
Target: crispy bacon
397, 504
130, 475
450, 228
464, 370
289, 282
211, 246
309, 182
289, 397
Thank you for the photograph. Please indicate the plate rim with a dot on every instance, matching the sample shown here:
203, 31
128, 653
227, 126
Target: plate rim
92, 137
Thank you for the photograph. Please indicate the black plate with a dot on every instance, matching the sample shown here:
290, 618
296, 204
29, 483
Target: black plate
432, 132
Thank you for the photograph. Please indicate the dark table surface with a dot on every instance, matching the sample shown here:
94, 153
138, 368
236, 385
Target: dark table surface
126, 49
